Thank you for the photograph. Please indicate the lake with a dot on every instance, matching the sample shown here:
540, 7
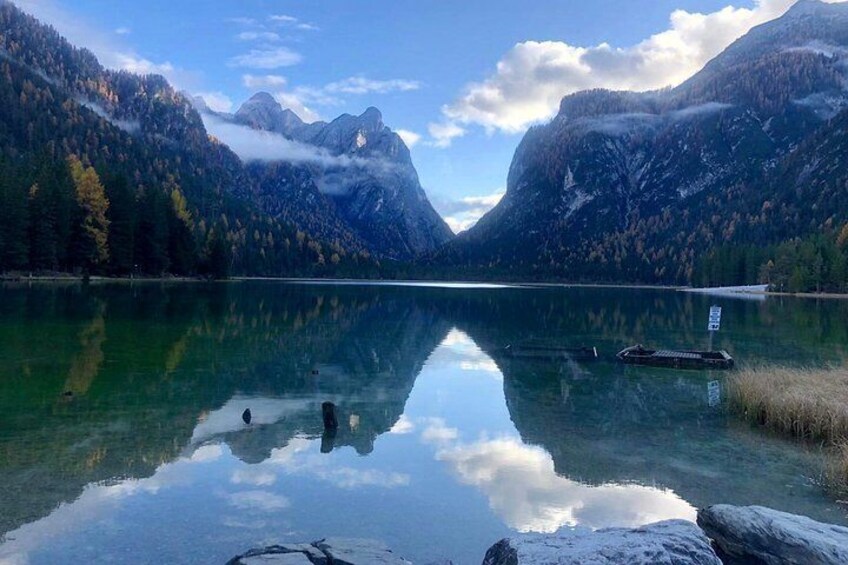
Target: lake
121, 437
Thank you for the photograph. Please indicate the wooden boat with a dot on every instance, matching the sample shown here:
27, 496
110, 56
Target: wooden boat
638, 355
550, 352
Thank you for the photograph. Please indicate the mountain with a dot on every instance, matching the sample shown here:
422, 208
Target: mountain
640, 186
153, 191
363, 178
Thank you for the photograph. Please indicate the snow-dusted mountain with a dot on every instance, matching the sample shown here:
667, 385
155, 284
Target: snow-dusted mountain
362, 176
636, 186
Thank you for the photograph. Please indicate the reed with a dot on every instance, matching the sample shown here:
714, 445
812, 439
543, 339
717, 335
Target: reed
809, 404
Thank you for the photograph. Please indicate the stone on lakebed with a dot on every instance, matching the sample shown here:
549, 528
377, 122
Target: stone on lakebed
772, 536
675, 542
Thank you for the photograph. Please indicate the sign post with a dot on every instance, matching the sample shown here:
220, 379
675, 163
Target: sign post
715, 323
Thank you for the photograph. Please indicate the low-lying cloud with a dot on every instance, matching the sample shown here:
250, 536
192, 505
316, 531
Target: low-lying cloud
257, 145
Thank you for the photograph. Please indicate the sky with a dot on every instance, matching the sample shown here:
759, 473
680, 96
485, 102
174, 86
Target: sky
460, 81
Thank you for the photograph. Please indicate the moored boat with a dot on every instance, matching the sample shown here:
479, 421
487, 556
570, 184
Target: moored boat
638, 355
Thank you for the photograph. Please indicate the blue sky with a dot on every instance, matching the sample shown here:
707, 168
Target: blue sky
462, 79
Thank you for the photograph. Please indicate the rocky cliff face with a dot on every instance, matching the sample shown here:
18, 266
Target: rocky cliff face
363, 174
628, 185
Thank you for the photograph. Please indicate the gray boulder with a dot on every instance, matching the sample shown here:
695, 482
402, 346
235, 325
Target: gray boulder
344, 551
338, 551
675, 542
773, 537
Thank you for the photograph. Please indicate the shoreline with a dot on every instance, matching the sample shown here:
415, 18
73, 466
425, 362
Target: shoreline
719, 292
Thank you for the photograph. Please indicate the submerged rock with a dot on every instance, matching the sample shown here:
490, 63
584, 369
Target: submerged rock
675, 542
773, 537
342, 551
338, 551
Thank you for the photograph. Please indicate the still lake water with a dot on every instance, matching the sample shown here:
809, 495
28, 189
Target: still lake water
444, 447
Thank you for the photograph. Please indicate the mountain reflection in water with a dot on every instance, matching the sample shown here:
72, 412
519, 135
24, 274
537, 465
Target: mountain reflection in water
444, 444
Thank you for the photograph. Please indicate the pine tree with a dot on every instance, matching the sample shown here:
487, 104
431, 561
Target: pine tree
122, 209
152, 232
14, 249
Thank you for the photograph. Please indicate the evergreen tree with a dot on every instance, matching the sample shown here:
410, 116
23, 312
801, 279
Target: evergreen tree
219, 255
14, 248
43, 255
152, 232
122, 210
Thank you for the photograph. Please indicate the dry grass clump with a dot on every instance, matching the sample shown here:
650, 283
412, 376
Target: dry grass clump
804, 403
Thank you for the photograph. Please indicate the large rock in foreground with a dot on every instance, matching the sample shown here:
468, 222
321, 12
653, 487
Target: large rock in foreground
335, 551
773, 537
665, 543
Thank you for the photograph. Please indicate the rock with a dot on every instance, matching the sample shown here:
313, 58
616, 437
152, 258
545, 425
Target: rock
286, 554
277, 559
675, 542
773, 537
342, 551
338, 551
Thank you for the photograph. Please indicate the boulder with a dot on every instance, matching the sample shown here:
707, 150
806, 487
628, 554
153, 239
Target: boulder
284, 554
773, 537
344, 551
338, 551
675, 542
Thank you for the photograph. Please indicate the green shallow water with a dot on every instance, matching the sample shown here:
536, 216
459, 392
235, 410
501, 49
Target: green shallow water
444, 445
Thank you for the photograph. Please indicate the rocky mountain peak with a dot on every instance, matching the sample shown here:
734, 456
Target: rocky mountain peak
262, 111
372, 118
263, 98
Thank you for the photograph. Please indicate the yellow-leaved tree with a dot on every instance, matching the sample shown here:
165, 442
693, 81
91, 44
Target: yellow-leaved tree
91, 198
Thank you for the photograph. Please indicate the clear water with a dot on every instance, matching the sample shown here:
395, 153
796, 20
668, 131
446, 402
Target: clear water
445, 446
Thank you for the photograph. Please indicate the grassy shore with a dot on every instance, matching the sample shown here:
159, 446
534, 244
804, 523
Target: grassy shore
807, 404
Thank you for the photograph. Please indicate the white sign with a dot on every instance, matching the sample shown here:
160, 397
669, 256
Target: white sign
715, 319
714, 393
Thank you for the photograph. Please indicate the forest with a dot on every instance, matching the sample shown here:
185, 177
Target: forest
62, 216
817, 263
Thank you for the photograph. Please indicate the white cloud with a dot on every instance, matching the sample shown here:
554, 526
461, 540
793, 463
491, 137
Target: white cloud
462, 214
362, 85
524, 489
260, 500
533, 76
295, 102
123, 31
438, 432
217, 101
283, 18
264, 81
253, 476
403, 426
257, 145
410, 138
444, 133
270, 58
258, 36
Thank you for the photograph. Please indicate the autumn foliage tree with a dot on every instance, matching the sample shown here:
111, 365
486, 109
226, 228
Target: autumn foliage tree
93, 225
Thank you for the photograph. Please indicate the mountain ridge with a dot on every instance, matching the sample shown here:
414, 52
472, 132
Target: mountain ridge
634, 187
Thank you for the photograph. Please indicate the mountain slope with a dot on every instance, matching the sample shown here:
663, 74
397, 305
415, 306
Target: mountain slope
636, 186
138, 131
363, 172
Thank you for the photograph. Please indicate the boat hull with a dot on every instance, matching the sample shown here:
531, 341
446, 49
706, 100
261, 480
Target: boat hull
710, 360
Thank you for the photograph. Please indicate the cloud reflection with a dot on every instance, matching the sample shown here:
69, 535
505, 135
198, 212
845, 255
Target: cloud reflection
458, 350
524, 489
